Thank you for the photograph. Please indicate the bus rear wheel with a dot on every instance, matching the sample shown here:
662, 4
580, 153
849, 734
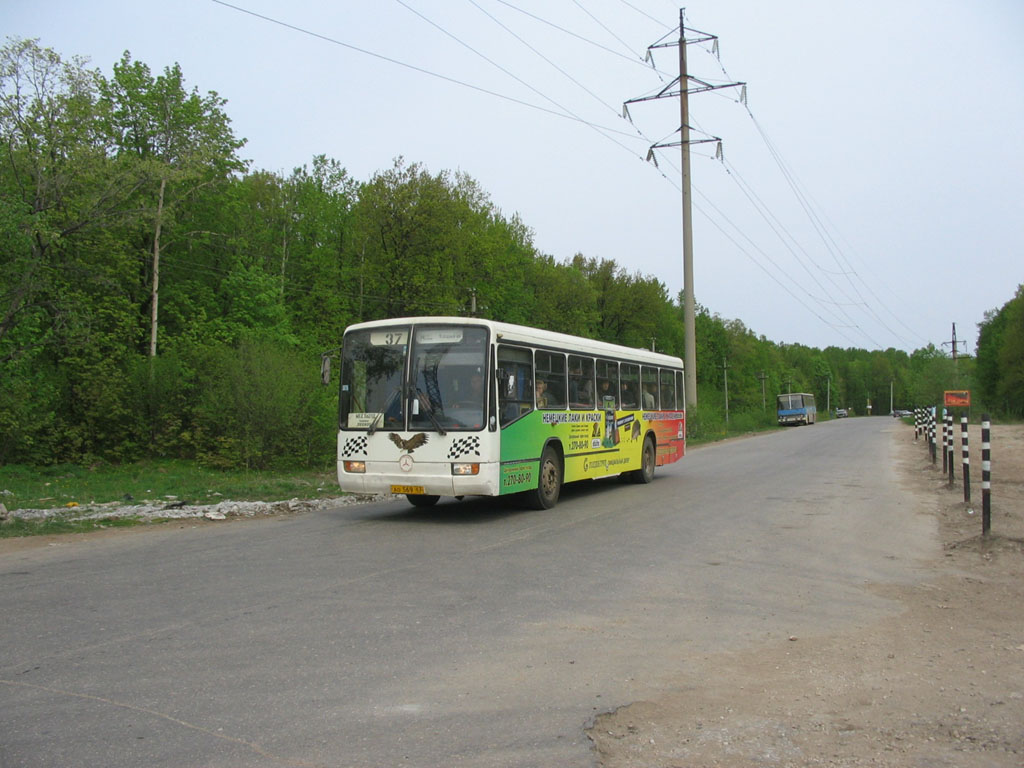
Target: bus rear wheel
422, 499
647, 462
549, 482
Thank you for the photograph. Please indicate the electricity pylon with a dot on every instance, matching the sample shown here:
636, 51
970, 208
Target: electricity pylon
683, 81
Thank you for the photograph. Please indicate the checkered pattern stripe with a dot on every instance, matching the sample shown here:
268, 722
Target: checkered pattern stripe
354, 446
464, 446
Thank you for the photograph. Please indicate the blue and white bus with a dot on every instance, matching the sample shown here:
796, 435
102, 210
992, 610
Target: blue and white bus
797, 408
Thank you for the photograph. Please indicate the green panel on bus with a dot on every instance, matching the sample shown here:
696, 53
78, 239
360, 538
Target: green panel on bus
594, 443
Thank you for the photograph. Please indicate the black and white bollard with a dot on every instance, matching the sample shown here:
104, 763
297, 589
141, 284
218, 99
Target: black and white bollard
949, 449
966, 459
986, 477
931, 435
945, 440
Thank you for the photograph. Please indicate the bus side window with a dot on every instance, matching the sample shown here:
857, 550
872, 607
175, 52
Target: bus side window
649, 378
551, 380
515, 383
680, 391
667, 382
581, 382
629, 379
607, 382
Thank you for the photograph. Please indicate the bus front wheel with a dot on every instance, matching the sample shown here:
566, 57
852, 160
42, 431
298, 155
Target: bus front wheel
421, 499
549, 484
647, 462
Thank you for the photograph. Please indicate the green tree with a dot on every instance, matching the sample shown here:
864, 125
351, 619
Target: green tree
64, 276
319, 266
428, 244
990, 344
999, 372
931, 374
178, 141
1011, 357
404, 224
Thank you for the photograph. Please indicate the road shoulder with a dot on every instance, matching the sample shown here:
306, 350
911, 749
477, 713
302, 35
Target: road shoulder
941, 683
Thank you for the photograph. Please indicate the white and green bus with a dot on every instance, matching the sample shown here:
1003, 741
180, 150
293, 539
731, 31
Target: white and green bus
448, 406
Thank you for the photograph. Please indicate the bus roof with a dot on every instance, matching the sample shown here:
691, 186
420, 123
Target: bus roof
511, 333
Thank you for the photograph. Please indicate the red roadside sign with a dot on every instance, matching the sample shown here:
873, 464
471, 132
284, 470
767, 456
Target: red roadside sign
957, 398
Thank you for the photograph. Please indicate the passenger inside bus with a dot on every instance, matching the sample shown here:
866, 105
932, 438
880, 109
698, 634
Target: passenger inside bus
629, 399
542, 397
581, 382
649, 397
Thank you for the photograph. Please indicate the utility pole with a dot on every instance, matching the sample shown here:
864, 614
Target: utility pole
725, 371
683, 81
828, 397
953, 342
764, 403
689, 298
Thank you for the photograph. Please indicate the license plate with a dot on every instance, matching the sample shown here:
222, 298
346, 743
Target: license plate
407, 489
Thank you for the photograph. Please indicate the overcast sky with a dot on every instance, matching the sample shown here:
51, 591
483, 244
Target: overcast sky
872, 195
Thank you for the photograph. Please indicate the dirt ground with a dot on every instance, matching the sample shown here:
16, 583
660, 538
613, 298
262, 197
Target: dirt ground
940, 684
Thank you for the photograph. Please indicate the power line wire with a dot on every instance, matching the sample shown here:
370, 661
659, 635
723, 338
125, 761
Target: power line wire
565, 113
647, 15
545, 58
823, 232
415, 68
630, 58
604, 27
518, 79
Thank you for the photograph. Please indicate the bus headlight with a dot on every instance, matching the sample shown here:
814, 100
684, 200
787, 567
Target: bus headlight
358, 467
465, 469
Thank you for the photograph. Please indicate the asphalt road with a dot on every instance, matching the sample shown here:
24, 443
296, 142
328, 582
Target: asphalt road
472, 634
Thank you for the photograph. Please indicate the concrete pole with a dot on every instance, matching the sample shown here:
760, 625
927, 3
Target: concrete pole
725, 373
689, 298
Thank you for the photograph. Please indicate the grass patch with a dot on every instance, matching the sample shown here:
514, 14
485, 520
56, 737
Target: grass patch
23, 487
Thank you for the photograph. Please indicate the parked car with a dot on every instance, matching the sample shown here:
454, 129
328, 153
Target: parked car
841, 413
898, 414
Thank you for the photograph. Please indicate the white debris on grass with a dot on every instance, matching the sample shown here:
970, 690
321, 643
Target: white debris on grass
220, 511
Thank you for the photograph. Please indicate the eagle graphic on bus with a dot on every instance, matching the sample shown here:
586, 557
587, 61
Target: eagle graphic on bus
409, 445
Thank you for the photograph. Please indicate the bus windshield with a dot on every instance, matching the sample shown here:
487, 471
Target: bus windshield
794, 402
446, 368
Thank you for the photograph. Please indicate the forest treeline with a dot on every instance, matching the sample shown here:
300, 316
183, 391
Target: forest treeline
161, 298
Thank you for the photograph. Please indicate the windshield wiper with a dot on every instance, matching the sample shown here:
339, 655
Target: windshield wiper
390, 400
425, 402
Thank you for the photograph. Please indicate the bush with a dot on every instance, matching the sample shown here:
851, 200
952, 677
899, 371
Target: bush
28, 423
163, 389
261, 404
706, 421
